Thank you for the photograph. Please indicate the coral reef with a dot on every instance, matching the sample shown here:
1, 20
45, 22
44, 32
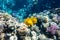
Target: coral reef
29, 20
35, 27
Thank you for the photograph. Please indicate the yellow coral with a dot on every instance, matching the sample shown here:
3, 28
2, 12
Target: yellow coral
34, 20
30, 21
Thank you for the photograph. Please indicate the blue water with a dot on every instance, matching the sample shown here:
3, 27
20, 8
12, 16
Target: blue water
22, 8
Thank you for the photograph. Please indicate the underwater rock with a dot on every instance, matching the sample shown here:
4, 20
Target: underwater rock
52, 29
57, 10
42, 37
59, 24
34, 35
27, 38
23, 29
58, 32
45, 19
36, 29
1, 28
46, 25
13, 37
58, 18
55, 18
2, 35
11, 23
8, 22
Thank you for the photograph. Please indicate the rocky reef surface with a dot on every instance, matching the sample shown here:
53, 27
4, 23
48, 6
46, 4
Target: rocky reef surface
38, 26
